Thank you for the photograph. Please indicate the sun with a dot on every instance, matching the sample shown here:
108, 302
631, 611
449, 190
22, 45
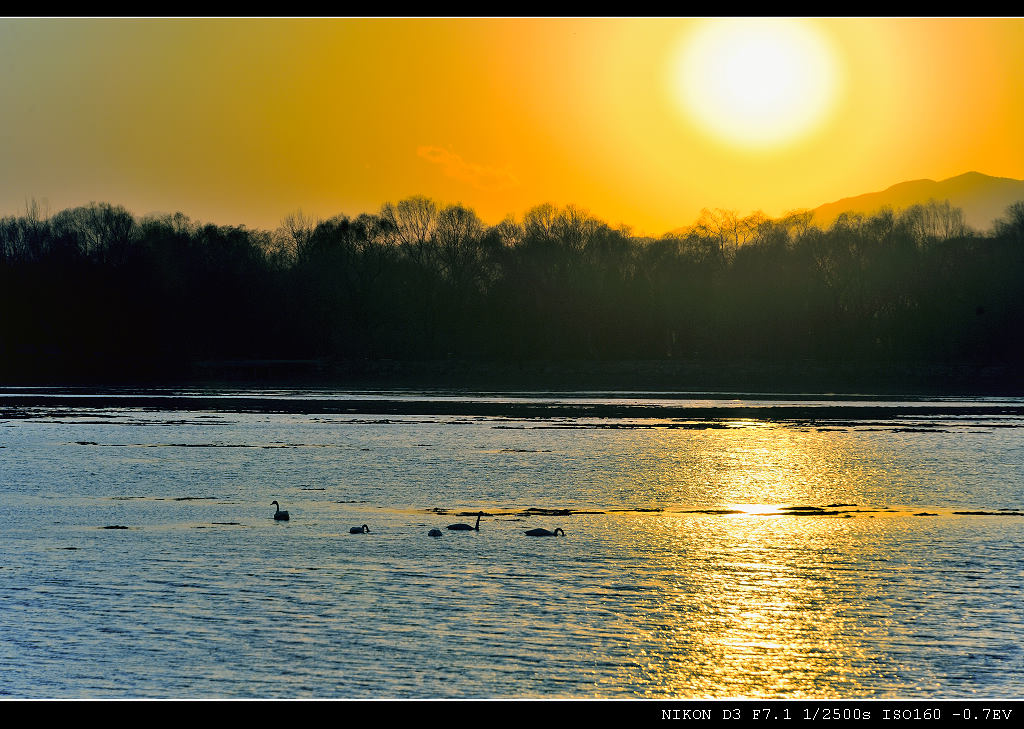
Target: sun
756, 83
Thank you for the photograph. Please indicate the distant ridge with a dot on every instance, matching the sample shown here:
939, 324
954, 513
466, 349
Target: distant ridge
983, 198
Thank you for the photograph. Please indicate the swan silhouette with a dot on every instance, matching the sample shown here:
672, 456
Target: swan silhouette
359, 530
467, 527
545, 533
279, 515
434, 533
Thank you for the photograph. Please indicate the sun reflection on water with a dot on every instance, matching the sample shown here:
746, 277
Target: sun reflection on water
753, 607
751, 613
754, 509
750, 465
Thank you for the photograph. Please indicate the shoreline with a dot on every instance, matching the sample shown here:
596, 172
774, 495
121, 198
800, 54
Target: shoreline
834, 413
803, 378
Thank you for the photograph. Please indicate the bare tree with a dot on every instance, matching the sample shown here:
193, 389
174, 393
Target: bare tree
539, 222
797, 222
413, 224
294, 233
1011, 224
459, 231
933, 221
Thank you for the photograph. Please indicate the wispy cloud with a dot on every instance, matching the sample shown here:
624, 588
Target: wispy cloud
479, 176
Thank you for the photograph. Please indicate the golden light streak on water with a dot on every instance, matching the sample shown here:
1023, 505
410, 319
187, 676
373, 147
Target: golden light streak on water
755, 509
747, 463
770, 462
753, 612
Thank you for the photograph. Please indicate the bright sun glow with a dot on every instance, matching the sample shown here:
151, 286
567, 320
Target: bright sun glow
756, 83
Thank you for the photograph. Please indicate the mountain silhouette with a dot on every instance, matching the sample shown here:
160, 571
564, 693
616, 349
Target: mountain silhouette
983, 198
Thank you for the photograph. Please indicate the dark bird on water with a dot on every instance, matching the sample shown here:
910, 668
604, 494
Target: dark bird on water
545, 533
359, 530
467, 527
279, 515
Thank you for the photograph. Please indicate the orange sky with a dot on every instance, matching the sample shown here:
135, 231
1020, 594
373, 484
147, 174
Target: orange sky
238, 121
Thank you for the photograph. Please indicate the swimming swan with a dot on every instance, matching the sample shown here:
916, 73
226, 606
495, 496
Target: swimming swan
279, 515
545, 533
467, 527
359, 530
434, 533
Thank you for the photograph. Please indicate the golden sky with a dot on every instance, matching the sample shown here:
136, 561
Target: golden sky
640, 121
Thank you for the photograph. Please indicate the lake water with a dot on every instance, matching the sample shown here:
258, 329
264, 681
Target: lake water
685, 570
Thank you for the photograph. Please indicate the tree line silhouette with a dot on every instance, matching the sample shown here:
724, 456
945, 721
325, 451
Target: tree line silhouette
94, 292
